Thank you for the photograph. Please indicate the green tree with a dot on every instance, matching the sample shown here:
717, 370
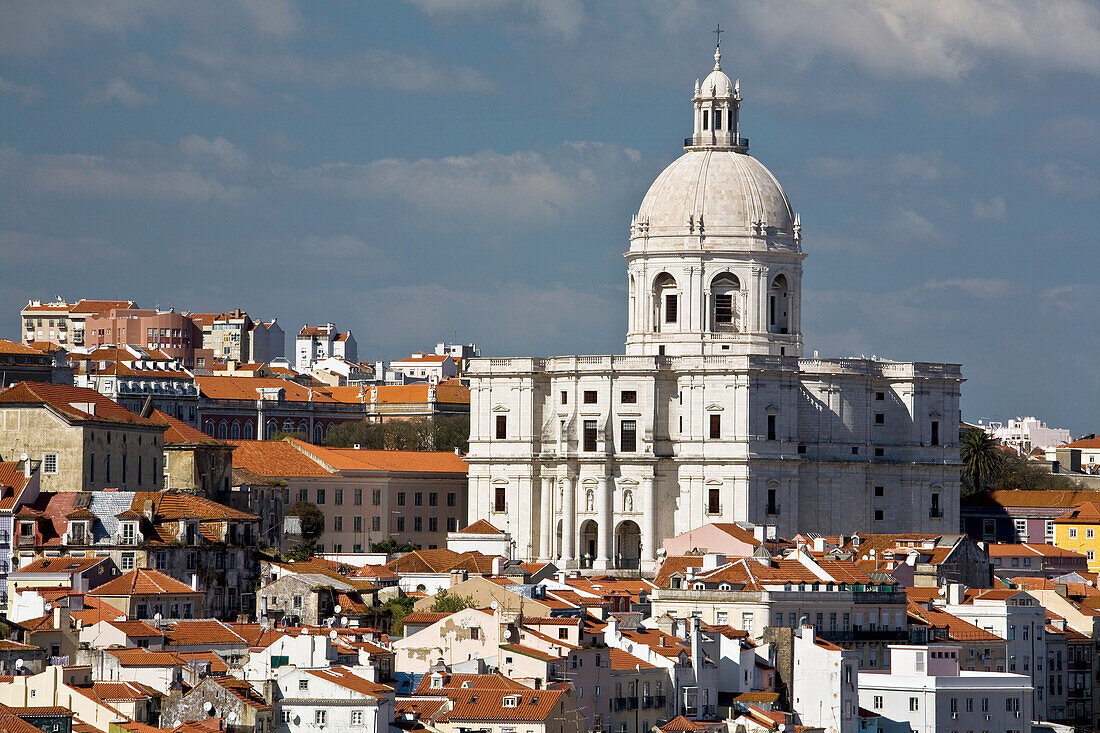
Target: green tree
301, 551
398, 609
1020, 473
370, 436
445, 602
441, 433
300, 435
390, 546
982, 460
312, 520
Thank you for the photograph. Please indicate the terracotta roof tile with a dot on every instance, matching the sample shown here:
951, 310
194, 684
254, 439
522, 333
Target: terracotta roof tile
275, 459
480, 527
1031, 499
144, 658
489, 705
202, 631
144, 581
62, 565
247, 388
351, 459
1086, 513
345, 678
71, 402
180, 433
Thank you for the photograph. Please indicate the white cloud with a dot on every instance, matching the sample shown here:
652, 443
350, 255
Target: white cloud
984, 288
927, 167
219, 150
279, 18
992, 210
1068, 178
561, 19
122, 92
28, 93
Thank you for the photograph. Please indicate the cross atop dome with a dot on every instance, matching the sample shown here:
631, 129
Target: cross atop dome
717, 103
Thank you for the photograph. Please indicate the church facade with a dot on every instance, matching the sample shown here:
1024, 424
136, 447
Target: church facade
713, 414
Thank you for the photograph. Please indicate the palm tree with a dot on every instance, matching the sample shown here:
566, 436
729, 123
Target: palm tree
982, 460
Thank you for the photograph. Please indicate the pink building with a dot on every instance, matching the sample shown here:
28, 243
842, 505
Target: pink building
173, 333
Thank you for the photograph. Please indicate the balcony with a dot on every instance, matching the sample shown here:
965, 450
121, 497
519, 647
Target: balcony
28, 540
717, 139
935, 513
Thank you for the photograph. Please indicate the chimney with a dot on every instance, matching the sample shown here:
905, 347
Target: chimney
819, 544
955, 592
194, 581
1059, 623
26, 464
713, 560
498, 565
147, 509
758, 533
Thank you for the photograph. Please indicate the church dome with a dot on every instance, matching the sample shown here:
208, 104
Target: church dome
731, 193
717, 84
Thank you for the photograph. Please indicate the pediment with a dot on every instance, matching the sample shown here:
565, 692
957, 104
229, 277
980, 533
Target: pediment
500, 408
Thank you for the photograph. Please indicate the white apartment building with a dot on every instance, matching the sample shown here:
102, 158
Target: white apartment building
924, 690
336, 698
712, 415
824, 683
1027, 433
1014, 616
430, 368
316, 343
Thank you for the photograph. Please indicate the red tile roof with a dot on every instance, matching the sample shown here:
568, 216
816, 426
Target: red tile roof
11, 347
489, 705
144, 658
1031, 499
343, 677
62, 565
397, 461
180, 433
248, 389
1086, 513
144, 581
72, 402
202, 631
275, 459
480, 527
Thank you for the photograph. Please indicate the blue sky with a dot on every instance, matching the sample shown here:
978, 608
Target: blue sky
439, 168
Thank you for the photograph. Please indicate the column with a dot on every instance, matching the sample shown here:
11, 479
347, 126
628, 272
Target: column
649, 536
568, 524
605, 546
524, 520
546, 519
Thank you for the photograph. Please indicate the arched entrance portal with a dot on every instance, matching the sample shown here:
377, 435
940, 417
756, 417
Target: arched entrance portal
628, 545
588, 537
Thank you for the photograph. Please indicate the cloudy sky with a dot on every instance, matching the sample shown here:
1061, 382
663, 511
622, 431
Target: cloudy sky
467, 169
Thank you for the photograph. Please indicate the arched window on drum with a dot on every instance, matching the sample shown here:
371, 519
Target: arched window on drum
725, 295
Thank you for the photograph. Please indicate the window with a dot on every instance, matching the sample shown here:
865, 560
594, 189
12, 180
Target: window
880, 491
357, 524
338, 497
499, 500
628, 397
376, 524
714, 501
706, 119
771, 427
127, 561
320, 496
338, 523
320, 716
564, 397
590, 435
49, 463
1021, 529
879, 515
356, 717
418, 498
502, 427
433, 524
433, 498
590, 397
628, 436
670, 305
1090, 554
303, 494
880, 396
400, 524
375, 498
452, 524
878, 702
400, 498
989, 528
715, 426
935, 432
1090, 534
298, 604
914, 704
1073, 533
357, 499
418, 524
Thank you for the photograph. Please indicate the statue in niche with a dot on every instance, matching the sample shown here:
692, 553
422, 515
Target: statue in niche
590, 501
628, 501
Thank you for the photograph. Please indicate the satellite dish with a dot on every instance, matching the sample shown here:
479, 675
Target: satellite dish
158, 616
344, 621
337, 608
19, 663
208, 706
48, 607
494, 605
332, 634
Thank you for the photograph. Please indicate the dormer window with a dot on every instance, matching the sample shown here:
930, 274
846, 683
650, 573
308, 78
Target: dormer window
78, 532
437, 681
128, 534
511, 701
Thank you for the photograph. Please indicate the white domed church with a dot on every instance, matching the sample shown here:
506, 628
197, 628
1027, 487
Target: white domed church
713, 414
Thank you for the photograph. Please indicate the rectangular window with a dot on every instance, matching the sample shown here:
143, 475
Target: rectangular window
935, 432
880, 491
320, 497
358, 497
338, 523
433, 524
564, 397
670, 308
628, 397
452, 498
773, 502
715, 426
400, 524
880, 396
357, 524
356, 717
338, 497
303, 494
303, 685
878, 702
914, 704
499, 500
375, 498
771, 427
880, 418
723, 309
418, 524
502, 427
590, 397
879, 515
590, 435
452, 524
1073, 533
418, 498
717, 119
628, 436
400, 498
433, 498
320, 716
49, 463
714, 501
376, 523
706, 119
127, 561
1090, 534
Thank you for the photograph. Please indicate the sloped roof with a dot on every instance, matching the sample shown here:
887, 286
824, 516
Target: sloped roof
957, 628
123, 691
180, 433
11, 474
247, 388
171, 506
61, 565
458, 684
275, 459
144, 581
407, 461
12, 347
449, 391
344, 677
441, 560
62, 398
202, 631
480, 527
1015, 549
1086, 513
139, 657
1031, 499
488, 705
621, 660
243, 691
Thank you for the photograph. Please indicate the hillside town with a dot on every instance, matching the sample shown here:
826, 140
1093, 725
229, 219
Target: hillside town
713, 532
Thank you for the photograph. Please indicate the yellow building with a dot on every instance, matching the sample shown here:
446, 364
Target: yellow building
1079, 530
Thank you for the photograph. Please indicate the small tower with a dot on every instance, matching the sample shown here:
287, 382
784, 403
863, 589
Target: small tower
717, 103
